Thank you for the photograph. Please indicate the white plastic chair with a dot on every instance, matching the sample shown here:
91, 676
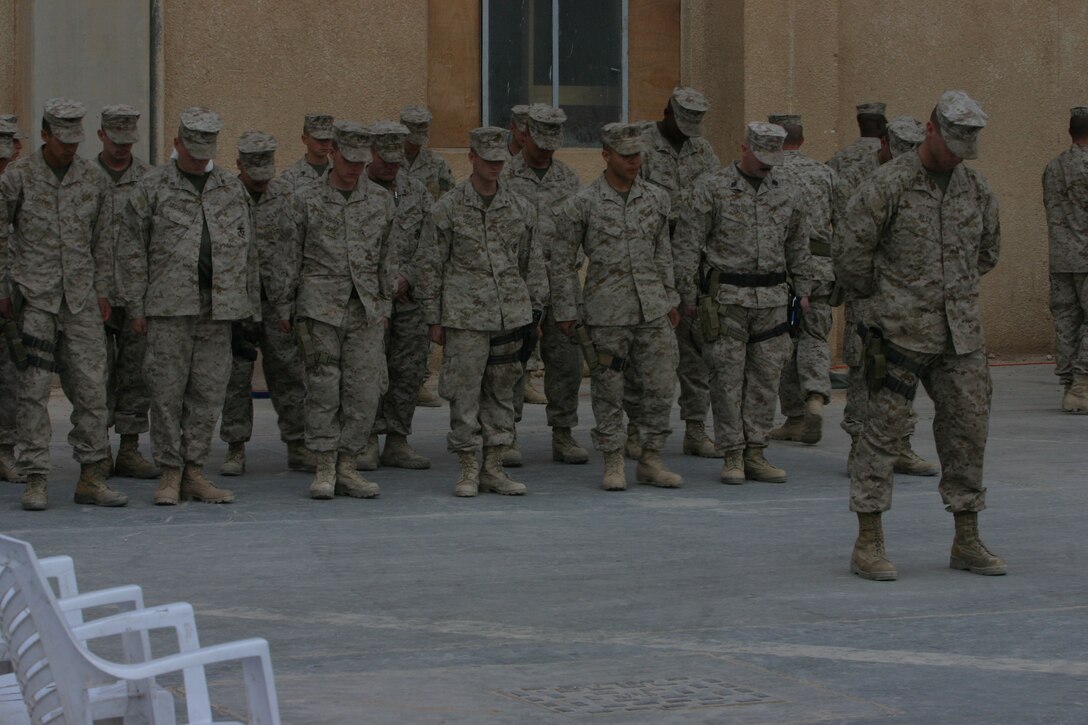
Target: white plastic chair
59, 675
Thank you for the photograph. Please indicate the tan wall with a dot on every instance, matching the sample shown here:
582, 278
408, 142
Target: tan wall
7, 56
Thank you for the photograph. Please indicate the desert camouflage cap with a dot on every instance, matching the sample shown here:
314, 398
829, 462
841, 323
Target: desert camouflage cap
1078, 111
546, 125
199, 131
519, 114
418, 121
688, 107
785, 119
765, 141
257, 154
623, 138
905, 134
318, 125
489, 143
873, 108
13, 120
389, 140
65, 118
960, 119
119, 123
353, 140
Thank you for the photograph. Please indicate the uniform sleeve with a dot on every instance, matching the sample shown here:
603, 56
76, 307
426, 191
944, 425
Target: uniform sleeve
531, 262
694, 226
388, 261
570, 229
856, 239
293, 232
10, 189
102, 250
798, 252
1054, 200
253, 260
663, 257
990, 244
417, 260
429, 287
132, 244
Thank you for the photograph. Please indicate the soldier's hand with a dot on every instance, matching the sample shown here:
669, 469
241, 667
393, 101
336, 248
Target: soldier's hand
567, 327
436, 335
804, 304
284, 326
674, 317
402, 286
539, 332
385, 322
7, 310
139, 326
104, 308
690, 311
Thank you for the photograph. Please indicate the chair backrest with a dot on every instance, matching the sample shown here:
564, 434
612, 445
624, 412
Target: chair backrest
52, 670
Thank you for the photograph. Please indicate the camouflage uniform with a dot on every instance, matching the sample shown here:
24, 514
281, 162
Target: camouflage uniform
61, 265
920, 254
432, 170
739, 230
676, 172
406, 344
344, 295
1065, 193
628, 292
279, 351
806, 370
484, 282
302, 173
189, 316
127, 393
561, 355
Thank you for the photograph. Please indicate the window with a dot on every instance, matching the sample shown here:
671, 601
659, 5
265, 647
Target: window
567, 53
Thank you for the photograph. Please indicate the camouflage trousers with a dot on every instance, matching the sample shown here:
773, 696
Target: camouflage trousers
1069, 308
407, 350
9, 390
344, 385
806, 370
126, 394
960, 388
857, 390
481, 395
186, 367
76, 341
562, 375
649, 350
690, 370
282, 373
744, 376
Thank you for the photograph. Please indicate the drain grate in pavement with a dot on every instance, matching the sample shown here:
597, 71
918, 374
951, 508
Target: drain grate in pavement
678, 693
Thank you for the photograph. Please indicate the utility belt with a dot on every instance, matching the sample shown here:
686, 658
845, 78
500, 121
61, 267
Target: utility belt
878, 356
311, 356
711, 323
526, 334
596, 359
244, 338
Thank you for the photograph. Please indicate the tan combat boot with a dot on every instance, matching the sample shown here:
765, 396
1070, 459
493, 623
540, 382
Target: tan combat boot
511, 454
652, 472
195, 486
426, 399
869, 560
632, 449
493, 478
733, 468
1075, 399
968, 551
235, 462
697, 442
910, 463
130, 463
92, 489
8, 470
757, 468
323, 486
300, 458
813, 428
368, 459
615, 473
398, 454
792, 430
565, 449
348, 480
169, 489
533, 395
468, 485
34, 496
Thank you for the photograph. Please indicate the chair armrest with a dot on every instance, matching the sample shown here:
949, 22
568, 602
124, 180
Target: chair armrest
129, 594
177, 616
